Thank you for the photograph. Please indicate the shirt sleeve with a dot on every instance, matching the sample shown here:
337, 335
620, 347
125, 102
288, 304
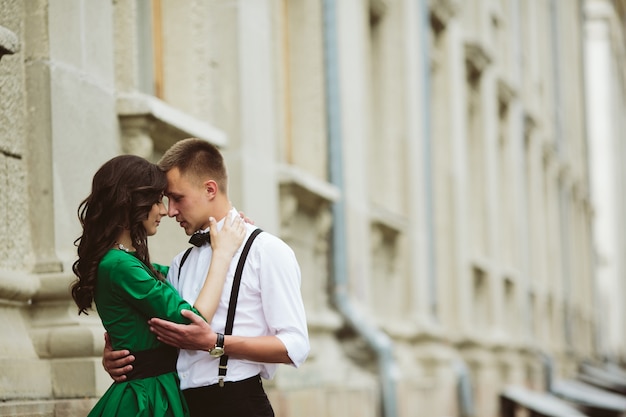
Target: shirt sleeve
282, 299
152, 297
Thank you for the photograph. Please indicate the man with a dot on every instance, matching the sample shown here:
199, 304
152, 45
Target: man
270, 323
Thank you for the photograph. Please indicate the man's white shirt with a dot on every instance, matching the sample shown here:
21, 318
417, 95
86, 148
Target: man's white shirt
269, 303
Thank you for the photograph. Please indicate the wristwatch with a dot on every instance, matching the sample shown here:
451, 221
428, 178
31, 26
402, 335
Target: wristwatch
218, 350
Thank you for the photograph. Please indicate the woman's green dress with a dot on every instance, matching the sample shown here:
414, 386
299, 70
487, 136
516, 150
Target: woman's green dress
127, 295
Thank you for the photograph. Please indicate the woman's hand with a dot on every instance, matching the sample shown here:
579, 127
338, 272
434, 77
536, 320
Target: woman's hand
225, 244
227, 241
245, 219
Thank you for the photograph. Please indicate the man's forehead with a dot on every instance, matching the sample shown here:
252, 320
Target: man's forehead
179, 183
175, 188
174, 181
169, 192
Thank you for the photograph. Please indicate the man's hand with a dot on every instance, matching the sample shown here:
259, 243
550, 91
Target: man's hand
197, 335
116, 362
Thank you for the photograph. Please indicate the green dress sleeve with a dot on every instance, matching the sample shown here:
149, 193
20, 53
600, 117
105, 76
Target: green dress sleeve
127, 295
163, 269
135, 284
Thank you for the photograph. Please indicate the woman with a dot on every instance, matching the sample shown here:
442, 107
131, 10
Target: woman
114, 271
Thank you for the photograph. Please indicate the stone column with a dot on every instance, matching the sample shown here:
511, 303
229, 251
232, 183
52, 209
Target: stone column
53, 57
17, 355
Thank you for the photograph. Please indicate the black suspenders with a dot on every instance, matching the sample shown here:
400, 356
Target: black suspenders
234, 292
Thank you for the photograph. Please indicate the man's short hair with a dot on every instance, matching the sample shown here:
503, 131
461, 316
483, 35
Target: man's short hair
198, 159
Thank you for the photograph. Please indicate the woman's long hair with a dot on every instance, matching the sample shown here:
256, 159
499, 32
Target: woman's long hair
123, 192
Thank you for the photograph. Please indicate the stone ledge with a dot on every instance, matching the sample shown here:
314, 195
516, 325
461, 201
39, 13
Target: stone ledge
151, 124
53, 286
310, 188
67, 341
390, 223
79, 378
13, 385
45, 408
18, 285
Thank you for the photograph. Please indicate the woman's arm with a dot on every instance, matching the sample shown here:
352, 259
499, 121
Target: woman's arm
225, 244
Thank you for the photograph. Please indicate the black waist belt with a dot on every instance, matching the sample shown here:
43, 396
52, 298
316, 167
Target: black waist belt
247, 385
153, 362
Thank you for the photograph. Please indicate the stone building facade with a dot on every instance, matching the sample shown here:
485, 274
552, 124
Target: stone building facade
426, 160
605, 81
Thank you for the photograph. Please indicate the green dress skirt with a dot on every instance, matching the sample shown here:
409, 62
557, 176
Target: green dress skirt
127, 295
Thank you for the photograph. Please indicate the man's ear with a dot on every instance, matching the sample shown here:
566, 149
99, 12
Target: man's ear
211, 188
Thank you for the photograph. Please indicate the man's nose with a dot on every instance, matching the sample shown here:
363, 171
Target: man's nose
171, 210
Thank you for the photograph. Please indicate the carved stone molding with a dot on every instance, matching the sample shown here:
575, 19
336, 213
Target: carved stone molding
565, 174
506, 92
306, 220
550, 155
302, 191
301, 194
149, 124
385, 219
386, 228
377, 9
441, 12
476, 59
9, 43
530, 125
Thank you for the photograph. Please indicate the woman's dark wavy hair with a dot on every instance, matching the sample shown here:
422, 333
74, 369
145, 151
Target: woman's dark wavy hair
123, 192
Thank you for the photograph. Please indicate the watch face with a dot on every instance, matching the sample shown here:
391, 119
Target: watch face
216, 352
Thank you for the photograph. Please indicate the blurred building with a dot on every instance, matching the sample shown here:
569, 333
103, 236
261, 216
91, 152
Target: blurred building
449, 174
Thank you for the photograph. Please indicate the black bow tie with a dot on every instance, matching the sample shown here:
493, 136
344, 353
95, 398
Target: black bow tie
200, 238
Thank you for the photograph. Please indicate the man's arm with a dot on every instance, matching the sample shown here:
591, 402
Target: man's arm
116, 362
198, 335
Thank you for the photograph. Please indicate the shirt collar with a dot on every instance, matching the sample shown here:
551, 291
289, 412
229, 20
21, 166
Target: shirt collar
232, 213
